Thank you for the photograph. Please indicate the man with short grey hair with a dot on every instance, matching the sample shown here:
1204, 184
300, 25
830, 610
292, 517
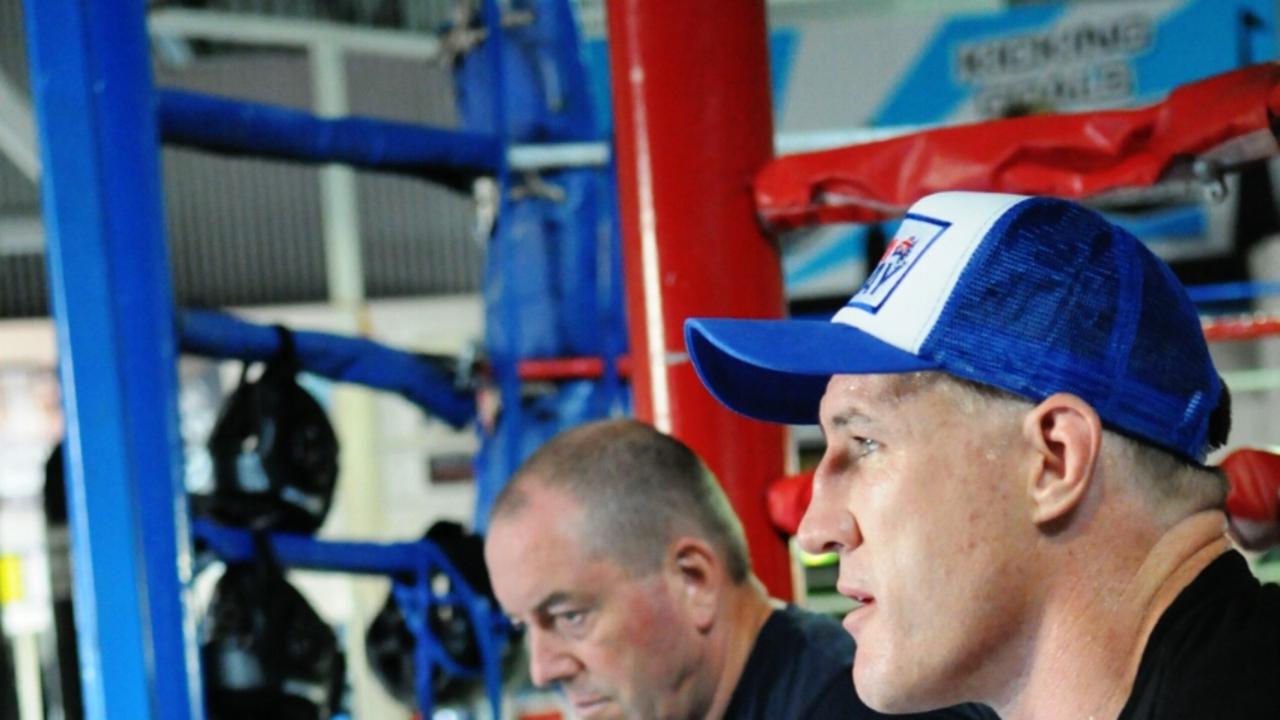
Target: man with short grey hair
617, 551
1017, 406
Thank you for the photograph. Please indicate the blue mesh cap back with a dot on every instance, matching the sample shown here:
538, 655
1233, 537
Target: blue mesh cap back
1056, 299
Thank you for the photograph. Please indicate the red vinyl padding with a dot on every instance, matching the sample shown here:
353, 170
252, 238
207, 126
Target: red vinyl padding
1225, 119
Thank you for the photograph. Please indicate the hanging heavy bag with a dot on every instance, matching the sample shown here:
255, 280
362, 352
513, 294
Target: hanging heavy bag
275, 455
265, 652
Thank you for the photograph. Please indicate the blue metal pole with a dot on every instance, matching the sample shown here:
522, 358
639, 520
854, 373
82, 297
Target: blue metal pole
112, 303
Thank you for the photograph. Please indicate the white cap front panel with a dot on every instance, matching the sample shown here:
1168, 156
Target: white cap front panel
903, 296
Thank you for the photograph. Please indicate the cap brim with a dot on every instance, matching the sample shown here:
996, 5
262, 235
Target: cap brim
777, 370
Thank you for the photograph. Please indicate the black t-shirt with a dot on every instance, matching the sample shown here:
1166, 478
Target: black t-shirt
1215, 653
800, 668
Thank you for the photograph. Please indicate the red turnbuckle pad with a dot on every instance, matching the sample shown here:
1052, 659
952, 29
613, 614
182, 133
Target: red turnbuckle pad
1254, 477
788, 498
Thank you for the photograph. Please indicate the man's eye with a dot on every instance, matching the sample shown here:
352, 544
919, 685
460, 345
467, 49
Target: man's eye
570, 620
863, 447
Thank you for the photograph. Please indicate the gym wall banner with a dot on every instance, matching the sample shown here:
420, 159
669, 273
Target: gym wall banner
835, 70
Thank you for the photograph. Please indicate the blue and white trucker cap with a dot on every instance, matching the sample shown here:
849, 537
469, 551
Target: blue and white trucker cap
1032, 295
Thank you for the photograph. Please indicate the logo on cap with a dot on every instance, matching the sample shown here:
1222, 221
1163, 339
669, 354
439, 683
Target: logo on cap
914, 237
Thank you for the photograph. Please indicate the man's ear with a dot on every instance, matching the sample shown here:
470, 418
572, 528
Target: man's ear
699, 578
1066, 435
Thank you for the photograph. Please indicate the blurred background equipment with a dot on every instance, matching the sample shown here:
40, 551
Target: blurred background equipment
8, 689
389, 644
61, 661
265, 652
275, 455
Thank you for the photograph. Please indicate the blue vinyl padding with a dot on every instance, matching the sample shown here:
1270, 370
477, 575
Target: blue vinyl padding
237, 127
337, 357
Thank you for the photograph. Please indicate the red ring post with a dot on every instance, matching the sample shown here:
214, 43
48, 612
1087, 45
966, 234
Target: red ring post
693, 124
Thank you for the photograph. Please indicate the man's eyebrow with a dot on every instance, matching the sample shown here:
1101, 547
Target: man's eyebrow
849, 416
551, 600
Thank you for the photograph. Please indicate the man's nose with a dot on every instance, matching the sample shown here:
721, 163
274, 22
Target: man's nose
828, 524
549, 660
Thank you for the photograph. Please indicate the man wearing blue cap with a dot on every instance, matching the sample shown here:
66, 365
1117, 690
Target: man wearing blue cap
1017, 405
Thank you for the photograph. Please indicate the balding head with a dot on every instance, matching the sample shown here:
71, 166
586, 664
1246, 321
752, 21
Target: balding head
639, 489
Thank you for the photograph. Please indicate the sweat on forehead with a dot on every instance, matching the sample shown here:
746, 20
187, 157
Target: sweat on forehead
969, 396
891, 387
